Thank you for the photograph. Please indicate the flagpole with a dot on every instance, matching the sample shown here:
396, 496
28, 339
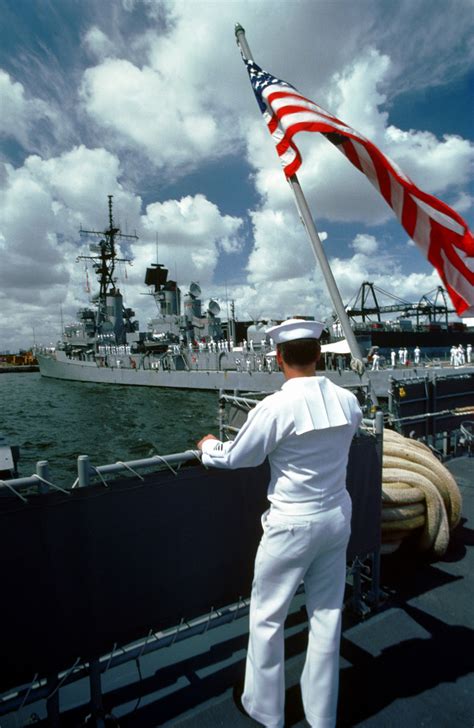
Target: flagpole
316, 244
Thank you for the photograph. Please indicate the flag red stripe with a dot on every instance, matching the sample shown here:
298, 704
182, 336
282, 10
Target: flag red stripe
283, 145
351, 154
383, 175
441, 242
409, 213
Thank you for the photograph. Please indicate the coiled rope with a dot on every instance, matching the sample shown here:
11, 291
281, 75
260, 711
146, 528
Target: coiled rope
419, 495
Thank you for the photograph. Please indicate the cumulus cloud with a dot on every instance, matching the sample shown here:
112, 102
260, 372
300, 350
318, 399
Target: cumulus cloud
19, 111
365, 244
307, 293
463, 203
98, 43
281, 251
184, 101
356, 94
191, 234
151, 113
434, 165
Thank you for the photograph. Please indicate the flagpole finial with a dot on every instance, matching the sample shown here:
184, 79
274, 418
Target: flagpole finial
242, 42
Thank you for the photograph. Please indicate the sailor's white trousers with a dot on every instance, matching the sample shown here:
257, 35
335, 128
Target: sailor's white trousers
292, 549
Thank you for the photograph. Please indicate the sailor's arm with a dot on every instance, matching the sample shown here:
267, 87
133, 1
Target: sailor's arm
256, 438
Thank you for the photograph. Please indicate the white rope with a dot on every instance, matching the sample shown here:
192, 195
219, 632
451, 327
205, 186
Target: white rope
64, 677
111, 657
104, 482
28, 691
10, 487
56, 487
177, 631
145, 643
198, 455
209, 619
159, 457
125, 465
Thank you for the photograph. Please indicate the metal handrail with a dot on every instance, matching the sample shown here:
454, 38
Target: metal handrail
86, 471
39, 689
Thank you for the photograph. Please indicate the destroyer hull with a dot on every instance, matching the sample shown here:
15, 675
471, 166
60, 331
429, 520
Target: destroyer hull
213, 380
186, 379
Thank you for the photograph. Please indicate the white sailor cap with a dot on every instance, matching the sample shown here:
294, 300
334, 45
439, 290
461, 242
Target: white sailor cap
295, 329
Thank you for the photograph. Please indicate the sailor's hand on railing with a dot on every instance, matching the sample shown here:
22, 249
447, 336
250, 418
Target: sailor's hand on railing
207, 437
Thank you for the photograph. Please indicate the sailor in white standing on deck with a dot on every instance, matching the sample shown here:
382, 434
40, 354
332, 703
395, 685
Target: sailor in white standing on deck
305, 429
453, 356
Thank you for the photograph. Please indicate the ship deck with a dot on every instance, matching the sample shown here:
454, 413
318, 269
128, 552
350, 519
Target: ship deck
411, 663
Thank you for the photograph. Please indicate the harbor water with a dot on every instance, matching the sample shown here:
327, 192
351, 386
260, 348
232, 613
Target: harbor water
58, 420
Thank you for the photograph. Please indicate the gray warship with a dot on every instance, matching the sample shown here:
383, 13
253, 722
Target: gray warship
190, 350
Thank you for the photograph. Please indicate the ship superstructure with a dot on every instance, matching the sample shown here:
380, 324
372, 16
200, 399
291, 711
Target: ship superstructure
107, 332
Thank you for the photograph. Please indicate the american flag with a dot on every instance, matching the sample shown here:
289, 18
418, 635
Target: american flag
439, 231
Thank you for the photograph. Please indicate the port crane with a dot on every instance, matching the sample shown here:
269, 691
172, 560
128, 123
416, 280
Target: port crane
431, 307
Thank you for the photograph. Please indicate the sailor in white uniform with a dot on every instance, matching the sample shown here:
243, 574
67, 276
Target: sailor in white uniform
305, 429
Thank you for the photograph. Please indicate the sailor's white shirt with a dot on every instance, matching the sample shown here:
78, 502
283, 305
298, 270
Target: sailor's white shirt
305, 429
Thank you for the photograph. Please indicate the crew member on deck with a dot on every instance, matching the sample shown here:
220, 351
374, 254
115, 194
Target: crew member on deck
305, 429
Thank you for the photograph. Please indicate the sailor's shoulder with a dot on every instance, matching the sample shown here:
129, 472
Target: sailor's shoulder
343, 393
272, 401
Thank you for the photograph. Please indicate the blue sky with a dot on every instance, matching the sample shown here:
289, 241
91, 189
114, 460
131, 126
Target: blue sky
149, 101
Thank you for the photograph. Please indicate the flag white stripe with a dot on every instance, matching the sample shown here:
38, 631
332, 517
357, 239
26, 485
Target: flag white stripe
398, 196
468, 262
294, 97
367, 164
289, 120
456, 279
422, 232
320, 114
440, 217
288, 156
397, 169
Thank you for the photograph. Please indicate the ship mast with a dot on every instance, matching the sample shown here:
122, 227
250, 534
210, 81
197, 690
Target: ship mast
105, 260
